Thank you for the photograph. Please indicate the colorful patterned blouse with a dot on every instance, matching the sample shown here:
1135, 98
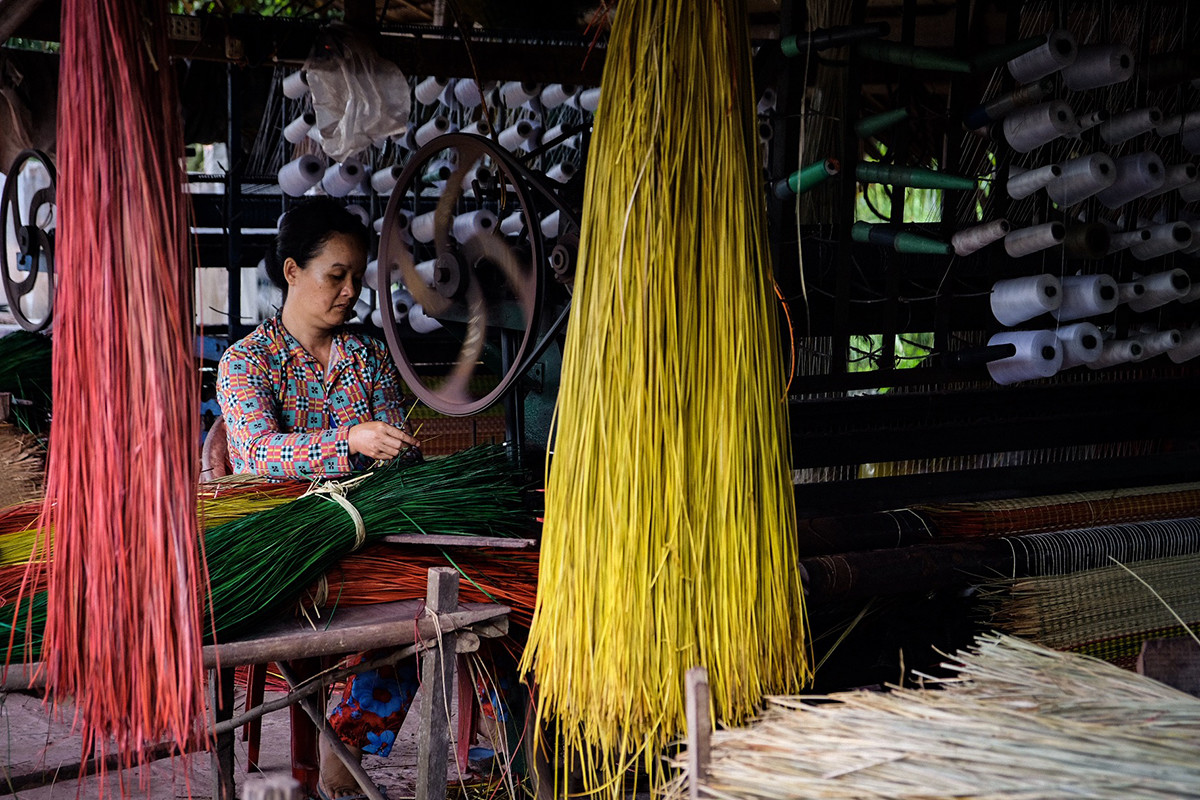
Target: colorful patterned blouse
288, 420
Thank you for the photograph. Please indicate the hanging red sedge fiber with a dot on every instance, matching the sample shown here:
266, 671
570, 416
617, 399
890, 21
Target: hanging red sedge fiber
123, 634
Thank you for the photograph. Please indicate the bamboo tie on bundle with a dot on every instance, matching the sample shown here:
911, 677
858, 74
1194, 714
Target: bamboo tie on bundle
669, 535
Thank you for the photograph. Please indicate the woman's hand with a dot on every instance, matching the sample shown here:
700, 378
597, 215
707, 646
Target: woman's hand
380, 440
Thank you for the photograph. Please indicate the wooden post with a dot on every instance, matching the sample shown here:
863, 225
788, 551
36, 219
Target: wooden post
221, 689
699, 728
437, 674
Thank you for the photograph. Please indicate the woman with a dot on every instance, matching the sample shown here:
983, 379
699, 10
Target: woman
302, 397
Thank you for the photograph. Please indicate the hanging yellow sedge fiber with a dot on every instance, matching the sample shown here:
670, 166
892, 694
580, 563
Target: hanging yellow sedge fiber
670, 519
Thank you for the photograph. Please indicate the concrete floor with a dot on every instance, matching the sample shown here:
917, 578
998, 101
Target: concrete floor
30, 739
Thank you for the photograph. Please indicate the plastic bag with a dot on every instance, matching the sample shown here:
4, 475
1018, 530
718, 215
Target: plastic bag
359, 98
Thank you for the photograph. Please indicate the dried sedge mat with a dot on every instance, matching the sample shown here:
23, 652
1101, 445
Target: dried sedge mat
1058, 512
1104, 612
1018, 721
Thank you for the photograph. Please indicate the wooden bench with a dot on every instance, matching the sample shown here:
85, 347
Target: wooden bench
429, 629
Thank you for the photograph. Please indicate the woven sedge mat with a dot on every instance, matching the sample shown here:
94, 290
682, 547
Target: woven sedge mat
1105, 612
1063, 511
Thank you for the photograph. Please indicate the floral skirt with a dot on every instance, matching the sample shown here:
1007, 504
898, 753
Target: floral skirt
374, 705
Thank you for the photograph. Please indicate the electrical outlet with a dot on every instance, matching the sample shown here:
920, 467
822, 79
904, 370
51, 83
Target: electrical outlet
186, 29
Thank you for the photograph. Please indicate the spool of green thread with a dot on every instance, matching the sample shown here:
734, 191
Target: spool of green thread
900, 241
806, 178
869, 126
916, 177
906, 55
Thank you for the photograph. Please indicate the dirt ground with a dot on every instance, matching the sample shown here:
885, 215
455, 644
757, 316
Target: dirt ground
30, 739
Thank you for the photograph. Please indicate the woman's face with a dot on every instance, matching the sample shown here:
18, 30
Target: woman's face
325, 291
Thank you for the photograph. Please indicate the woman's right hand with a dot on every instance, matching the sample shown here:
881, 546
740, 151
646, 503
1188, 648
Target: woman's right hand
379, 440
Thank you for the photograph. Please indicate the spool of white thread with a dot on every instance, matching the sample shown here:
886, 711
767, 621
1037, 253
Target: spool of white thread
437, 172
420, 321
1091, 119
1125, 126
1157, 343
1029, 128
555, 94
1175, 176
297, 177
1190, 192
1190, 139
534, 140
1121, 241
1086, 296
1128, 292
403, 221
473, 223
434, 128
515, 135
402, 303
589, 100
1161, 288
384, 180
422, 227
429, 90
297, 129
512, 224
295, 85
516, 93
1015, 300
1117, 351
477, 128
1025, 241
362, 310
426, 272
371, 276
556, 132
975, 238
1189, 346
1177, 124
1081, 343
766, 102
478, 175
1138, 174
361, 213
1058, 51
1081, 178
1023, 182
1038, 355
549, 225
1169, 237
467, 92
341, 179
562, 172
1098, 65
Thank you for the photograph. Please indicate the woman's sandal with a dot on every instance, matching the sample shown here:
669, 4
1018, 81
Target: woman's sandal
350, 793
